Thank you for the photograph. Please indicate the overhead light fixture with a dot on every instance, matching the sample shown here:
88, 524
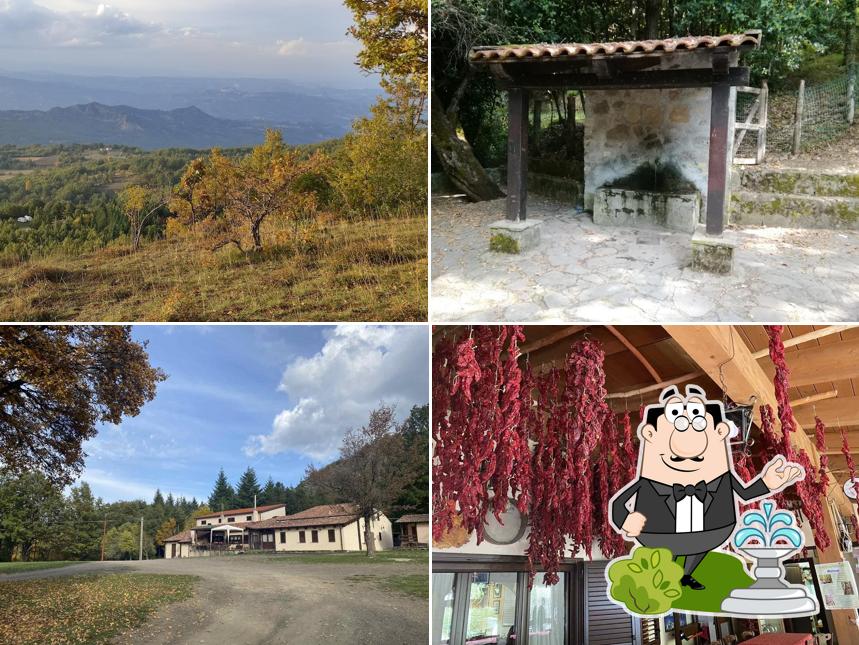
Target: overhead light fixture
741, 416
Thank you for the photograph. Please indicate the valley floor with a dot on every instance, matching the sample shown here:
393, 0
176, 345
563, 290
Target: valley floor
367, 270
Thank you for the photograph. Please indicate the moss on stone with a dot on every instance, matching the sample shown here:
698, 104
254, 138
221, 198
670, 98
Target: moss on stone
501, 243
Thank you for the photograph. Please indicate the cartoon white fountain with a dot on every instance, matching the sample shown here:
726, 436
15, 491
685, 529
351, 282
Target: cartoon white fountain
769, 545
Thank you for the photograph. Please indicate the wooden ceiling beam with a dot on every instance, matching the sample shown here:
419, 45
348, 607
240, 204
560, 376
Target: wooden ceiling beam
813, 398
634, 350
834, 413
804, 338
720, 346
832, 362
551, 339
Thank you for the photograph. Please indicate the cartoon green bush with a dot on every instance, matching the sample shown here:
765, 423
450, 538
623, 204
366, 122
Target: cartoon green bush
647, 581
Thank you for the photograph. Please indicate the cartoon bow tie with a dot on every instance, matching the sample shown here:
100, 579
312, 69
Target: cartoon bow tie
699, 490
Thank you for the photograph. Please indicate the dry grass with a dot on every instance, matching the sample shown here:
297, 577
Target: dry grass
366, 270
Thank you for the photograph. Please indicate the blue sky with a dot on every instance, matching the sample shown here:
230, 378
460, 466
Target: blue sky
302, 40
274, 397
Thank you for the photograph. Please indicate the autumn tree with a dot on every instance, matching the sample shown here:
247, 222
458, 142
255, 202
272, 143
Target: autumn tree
58, 383
139, 205
191, 522
262, 184
375, 466
166, 530
193, 199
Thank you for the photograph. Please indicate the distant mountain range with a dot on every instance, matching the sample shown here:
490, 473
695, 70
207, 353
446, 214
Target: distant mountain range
176, 112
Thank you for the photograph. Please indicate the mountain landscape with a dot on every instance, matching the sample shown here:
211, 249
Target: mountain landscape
155, 112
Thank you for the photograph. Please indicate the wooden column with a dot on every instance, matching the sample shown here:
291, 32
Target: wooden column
842, 624
717, 175
517, 154
797, 119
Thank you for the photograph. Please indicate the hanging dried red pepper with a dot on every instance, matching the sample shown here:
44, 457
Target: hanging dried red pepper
820, 444
562, 502
848, 456
480, 441
808, 489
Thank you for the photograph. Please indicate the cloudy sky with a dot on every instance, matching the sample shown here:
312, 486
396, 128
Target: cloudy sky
302, 40
273, 397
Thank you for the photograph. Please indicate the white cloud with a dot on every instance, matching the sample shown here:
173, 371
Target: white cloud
297, 47
335, 389
106, 485
24, 23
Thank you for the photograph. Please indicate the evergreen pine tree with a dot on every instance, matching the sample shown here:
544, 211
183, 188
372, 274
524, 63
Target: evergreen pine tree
248, 488
223, 496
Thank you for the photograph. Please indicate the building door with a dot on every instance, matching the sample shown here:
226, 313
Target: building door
172, 549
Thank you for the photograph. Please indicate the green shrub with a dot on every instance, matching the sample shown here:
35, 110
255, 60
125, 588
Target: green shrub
503, 244
647, 581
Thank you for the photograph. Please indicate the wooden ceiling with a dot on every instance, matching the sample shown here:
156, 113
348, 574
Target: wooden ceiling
824, 368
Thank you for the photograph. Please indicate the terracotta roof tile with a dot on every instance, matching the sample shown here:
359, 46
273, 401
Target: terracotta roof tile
418, 519
326, 515
184, 536
668, 45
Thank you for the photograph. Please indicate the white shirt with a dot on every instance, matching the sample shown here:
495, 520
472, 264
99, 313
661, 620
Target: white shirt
689, 515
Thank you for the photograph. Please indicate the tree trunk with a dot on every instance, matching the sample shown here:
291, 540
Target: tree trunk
136, 232
652, 9
255, 232
850, 36
458, 159
369, 540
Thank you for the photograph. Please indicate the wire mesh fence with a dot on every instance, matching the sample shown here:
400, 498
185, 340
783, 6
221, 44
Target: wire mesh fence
825, 113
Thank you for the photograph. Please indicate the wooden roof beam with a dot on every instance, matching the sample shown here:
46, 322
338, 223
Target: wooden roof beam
715, 346
833, 362
804, 338
834, 413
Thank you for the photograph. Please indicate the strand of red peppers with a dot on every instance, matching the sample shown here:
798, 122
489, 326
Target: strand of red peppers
481, 454
808, 489
851, 469
567, 425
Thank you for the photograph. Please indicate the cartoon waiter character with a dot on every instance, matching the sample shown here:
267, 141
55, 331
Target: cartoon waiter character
685, 493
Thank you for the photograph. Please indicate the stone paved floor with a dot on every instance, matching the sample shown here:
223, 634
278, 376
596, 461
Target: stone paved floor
582, 272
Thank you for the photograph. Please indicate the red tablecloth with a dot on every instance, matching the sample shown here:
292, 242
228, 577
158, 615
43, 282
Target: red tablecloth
781, 639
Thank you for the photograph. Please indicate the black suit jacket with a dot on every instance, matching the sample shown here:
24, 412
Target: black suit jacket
656, 502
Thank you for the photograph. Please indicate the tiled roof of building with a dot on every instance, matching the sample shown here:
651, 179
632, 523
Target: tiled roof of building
417, 519
241, 511
505, 53
184, 536
326, 515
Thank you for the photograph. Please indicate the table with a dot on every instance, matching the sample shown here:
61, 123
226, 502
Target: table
781, 639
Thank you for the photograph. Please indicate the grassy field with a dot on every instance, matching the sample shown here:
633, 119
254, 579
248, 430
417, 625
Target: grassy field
367, 270
382, 557
410, 585
19, 567
84, 609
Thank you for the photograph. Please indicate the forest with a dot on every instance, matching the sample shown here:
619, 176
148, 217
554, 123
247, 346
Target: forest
40, 520
814, 40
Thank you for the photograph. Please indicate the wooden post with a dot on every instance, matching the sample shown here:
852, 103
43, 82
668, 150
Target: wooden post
717, 174
843, 624
103, 538
851, 94
517, 154
797, 119
762, 133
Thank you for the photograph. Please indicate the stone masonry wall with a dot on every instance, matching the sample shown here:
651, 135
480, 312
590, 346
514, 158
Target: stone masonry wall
626, 128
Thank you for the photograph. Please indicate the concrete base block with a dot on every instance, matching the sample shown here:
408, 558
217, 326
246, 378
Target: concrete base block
713, 253
508, 236
642, 208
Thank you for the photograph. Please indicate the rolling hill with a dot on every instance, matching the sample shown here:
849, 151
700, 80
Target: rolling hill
187, 127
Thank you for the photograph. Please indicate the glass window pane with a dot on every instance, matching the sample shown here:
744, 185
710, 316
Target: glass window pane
491, 609
546, 613
442, 607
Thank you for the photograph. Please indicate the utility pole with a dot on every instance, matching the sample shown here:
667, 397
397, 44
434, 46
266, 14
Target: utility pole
140, 557
103, 538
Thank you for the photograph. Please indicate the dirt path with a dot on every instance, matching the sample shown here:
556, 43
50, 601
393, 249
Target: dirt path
245, 601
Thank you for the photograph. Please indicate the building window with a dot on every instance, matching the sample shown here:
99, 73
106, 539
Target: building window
380, 536
492, 607
314, 536
268, 537
283, 537
249, 518
220, 519
331, 537
231, 519
301, 537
